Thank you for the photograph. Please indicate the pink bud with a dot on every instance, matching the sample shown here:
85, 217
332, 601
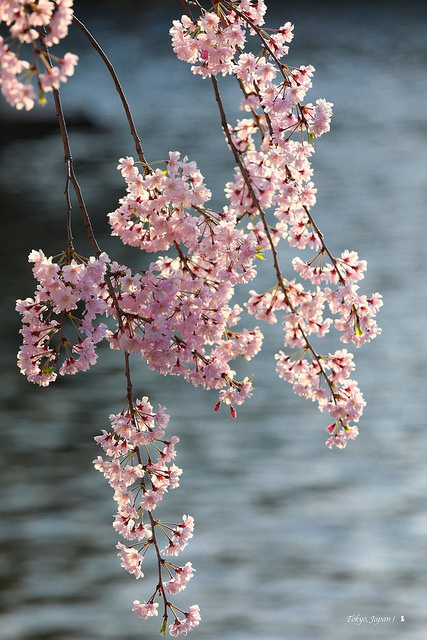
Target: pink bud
204, 54
217, 406
233, 411
331, 428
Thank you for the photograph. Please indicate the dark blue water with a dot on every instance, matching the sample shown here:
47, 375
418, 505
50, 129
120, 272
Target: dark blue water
291, 538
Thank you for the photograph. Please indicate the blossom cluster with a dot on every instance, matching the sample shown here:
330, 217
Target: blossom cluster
272, 178
61, 317
175, 315
38, 24
141, 470
178, 312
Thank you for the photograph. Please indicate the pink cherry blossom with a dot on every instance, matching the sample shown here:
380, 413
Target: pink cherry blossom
145, 609
177, 312
183, 626
131, 559
58, 294
34, 24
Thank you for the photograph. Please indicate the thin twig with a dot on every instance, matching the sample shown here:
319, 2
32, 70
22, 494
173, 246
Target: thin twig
70, 173
120, 91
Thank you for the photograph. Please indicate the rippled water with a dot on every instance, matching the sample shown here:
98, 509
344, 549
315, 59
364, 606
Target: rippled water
291, 538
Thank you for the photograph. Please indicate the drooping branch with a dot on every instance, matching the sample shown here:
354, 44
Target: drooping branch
120, 91
280, 279
70, 173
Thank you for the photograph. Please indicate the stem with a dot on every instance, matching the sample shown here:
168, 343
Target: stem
187, 10
120, 91
71, 177
159, 566
236, 152
154, 541
324, 247
70, 174
109, 277
128, 381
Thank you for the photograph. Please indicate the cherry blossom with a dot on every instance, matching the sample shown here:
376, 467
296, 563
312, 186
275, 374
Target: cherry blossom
145, 609
273, 174
184, 625
140, 473
53, 324
178, 313
38, 25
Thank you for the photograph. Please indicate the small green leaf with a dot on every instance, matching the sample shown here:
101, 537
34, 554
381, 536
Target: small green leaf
359, 331
164, 627
259, 255
310, 137
47, 371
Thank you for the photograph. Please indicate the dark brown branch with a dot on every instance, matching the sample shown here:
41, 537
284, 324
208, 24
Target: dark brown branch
70, 173
120, 91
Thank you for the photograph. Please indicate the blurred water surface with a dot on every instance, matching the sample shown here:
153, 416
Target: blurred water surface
291, 538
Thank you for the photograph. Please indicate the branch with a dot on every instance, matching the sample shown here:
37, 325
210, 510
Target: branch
120, 91
279, 276
70, 176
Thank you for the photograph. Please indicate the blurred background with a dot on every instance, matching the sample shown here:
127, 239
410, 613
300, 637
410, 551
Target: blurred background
291, 538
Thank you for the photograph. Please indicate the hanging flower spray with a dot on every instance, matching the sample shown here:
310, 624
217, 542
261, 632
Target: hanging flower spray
178, 313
